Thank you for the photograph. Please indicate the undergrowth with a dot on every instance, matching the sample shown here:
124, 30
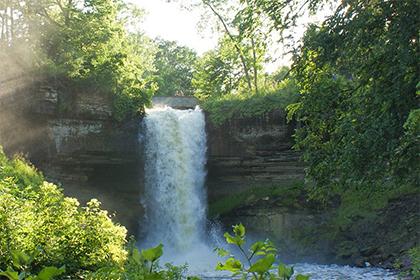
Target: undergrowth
226, 107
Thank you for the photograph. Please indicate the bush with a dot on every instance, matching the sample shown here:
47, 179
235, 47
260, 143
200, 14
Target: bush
226, 107
35, 216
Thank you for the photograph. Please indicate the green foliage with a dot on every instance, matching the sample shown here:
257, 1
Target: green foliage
414, 255
357, 75
367, 201
152, 254
174, 69
260, 259
222, 109
140, 266
22, 263
84, 44
245, 36
219, 72
37, 220
23, 173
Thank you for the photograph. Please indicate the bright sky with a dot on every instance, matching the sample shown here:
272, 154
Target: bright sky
170, 22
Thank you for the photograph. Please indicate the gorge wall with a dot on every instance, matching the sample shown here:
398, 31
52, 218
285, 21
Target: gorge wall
251, 152
254, 171
72, 138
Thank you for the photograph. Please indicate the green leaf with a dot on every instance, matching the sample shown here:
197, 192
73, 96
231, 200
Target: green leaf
20, 259
222, 252
153, 254
231, 264
239, 230
233, 239
136, 256
50, 272
285, 272
257, 246
11, 275
302, 277
263, 265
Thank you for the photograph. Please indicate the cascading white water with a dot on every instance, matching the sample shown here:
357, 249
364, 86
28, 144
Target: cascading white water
175, 158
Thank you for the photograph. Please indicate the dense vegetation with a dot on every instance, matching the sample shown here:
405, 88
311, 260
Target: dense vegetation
45, 234
174, 69
356, 75
83, 45
353, 87
230, 106
37, 220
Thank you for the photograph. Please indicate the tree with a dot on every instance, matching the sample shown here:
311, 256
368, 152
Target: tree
243, 24
85, 42
219, 72
357, 75
174, 68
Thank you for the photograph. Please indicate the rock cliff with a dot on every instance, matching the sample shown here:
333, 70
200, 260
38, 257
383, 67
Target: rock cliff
72, 138
250, 152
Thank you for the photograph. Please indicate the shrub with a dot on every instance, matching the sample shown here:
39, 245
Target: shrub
36, 216
226, 107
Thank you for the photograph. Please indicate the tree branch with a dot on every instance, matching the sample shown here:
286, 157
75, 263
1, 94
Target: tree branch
237, 47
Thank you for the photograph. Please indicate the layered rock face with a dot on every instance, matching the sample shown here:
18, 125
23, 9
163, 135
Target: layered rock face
251, 152
72, 138
247, 154
286, 226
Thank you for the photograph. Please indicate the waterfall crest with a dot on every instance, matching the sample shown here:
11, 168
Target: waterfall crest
175, 200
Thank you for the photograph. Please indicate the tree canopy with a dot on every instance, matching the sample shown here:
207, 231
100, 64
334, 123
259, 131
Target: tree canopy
357, 75
86, 43
174, 68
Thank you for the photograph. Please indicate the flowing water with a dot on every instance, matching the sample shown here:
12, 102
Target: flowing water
175, 158
175, 199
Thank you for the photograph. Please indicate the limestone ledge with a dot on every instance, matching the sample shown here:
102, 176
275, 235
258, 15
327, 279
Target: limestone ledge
253, 151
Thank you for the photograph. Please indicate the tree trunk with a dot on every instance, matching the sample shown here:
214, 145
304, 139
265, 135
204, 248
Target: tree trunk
12, 23
237, 47
254, 56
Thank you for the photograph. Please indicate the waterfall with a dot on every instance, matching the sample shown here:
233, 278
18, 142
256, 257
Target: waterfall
175, 200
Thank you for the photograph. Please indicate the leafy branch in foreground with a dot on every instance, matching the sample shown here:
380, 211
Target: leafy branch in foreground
260, 259
22, 268
143, 265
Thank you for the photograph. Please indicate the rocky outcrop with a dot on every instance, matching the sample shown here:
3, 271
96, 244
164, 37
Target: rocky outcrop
249, 152
283, 224
73, 139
